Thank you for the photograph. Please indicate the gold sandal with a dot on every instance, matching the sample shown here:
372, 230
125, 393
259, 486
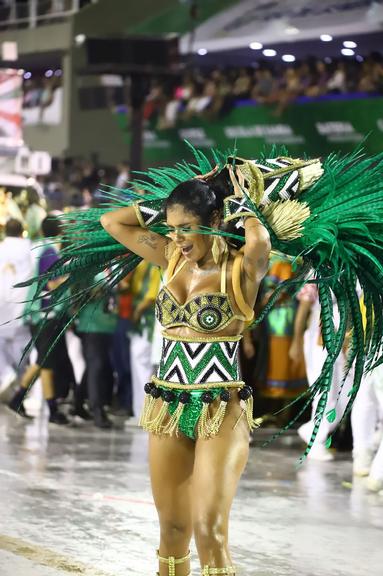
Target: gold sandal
209, 571
172, 562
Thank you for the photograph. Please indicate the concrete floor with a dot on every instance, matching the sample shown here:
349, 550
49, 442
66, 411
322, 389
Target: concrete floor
77, 500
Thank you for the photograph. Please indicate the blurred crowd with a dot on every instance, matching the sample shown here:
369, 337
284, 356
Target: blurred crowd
213, 93
72, 183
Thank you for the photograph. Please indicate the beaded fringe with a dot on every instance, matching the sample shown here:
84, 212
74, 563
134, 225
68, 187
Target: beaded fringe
249, 410
215, 423
146, 410
172, 426
206, 428
156, 425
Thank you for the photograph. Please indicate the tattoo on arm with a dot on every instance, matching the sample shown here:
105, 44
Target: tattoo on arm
148, 240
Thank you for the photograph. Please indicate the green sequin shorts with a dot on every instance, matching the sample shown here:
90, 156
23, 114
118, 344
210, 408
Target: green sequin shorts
191, 375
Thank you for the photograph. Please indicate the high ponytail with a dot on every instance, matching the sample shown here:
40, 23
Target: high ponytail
202, 197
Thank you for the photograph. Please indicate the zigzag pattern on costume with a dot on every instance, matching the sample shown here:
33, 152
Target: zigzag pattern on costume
283, 187
199, 362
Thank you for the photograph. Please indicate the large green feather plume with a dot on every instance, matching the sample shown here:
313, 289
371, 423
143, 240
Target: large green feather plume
341, 243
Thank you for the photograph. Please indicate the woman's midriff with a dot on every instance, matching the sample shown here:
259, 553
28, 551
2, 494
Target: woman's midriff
236, 328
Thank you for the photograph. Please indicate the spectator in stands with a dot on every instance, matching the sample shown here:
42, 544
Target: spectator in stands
223, 99
337, 82
242, 85
200, 99
264, 86
318, 82
154, 102
290, 89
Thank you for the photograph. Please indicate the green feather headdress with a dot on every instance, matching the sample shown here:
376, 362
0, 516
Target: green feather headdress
333, 222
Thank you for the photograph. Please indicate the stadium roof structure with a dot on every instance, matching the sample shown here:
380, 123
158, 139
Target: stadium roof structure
283, 21
217, 25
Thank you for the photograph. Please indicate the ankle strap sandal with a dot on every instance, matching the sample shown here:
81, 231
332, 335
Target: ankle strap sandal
172, 562
209, 571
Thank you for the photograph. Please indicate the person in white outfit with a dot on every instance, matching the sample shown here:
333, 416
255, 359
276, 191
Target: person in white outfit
16, 266
307, 340
365, 420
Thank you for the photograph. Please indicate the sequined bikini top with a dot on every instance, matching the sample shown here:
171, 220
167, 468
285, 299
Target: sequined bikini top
205, 312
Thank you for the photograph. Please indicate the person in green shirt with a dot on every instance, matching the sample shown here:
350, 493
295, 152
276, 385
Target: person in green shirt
96, 324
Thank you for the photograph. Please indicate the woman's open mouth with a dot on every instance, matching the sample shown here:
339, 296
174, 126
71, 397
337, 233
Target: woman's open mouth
186, 249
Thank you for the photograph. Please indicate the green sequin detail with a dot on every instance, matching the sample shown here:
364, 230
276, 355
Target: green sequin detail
192, 411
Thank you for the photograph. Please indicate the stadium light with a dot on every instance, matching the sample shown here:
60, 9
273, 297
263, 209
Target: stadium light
269, 52
350, 44
325, 37
202, 51
347, 52
292, 30
79, 39
288, 58
256, 46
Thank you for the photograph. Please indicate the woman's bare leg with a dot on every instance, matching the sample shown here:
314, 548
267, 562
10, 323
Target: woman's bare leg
219, 463
171, 461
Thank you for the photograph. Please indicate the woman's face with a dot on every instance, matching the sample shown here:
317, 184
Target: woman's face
183, 231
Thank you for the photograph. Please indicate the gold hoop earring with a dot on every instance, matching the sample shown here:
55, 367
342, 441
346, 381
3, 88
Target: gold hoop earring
218, 249
171, 250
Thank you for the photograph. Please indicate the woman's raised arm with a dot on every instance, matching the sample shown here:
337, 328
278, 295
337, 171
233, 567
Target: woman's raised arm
125, 227
257, 240
256, 250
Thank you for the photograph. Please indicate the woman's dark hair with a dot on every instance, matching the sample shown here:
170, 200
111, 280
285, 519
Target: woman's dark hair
202, 198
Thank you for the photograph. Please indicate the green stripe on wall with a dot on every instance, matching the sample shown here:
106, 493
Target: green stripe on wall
177, 18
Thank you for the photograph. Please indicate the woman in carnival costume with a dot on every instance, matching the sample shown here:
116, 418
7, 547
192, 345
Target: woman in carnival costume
210, 226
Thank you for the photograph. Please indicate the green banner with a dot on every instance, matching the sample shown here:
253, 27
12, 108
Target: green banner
313, 128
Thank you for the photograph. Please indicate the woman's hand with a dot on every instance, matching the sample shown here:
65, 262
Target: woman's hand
206, 176
238, 181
